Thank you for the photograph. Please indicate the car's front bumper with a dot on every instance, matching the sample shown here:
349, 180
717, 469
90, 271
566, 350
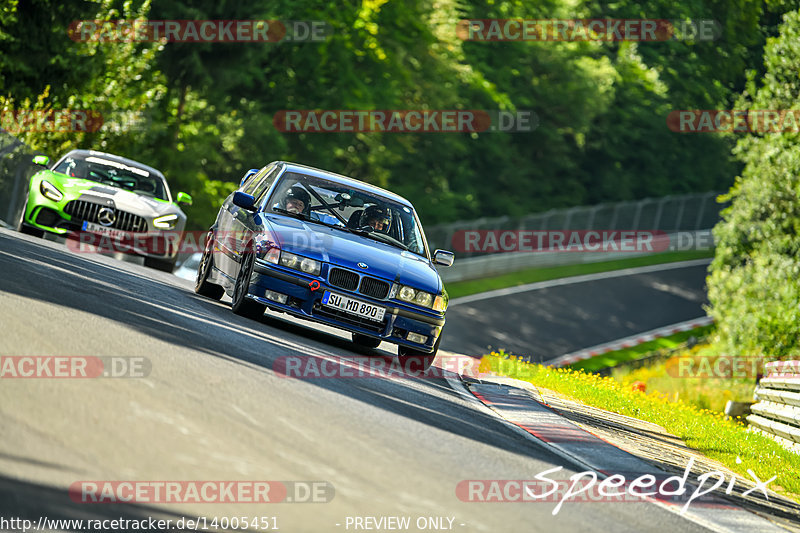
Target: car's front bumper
303, 302
45, 214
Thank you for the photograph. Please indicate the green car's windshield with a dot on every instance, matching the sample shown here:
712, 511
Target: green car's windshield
114, 173
355, 210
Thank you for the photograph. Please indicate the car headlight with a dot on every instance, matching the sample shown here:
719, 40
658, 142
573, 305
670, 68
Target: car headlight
50, 191
165, 222
304, 264
414, 296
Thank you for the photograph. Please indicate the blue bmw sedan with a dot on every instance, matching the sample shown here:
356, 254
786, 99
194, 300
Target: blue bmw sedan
332, 249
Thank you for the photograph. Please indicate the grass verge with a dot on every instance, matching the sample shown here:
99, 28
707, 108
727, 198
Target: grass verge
701, 429
646, 349
694, 376
457, 289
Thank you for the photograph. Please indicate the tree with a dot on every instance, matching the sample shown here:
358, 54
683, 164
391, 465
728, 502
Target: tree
753, 284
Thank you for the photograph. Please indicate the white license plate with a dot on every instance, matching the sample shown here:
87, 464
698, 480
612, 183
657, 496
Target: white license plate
115, 234
353, 306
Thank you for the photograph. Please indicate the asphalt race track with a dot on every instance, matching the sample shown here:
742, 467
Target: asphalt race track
213, 409
543, 324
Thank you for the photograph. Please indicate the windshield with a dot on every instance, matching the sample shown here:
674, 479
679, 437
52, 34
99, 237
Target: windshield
337, 205
109, 172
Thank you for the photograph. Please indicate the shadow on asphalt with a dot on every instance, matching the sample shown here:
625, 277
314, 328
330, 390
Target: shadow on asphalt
32, 501
173, 314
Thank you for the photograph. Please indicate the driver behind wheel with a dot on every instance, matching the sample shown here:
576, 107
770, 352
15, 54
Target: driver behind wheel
297, 200
377, 217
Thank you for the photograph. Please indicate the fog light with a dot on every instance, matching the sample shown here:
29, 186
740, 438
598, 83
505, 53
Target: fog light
416, 337
276, 297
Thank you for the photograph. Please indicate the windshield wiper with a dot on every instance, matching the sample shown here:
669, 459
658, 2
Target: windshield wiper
380, 237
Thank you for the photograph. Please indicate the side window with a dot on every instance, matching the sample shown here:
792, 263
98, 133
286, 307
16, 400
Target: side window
255, 180
261, 190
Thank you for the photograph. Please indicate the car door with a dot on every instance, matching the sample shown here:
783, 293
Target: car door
243, 222
225, 237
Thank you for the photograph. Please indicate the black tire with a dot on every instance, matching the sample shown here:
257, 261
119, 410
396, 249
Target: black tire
201, 285
24, 228
366, 341
164, 265
407, 356
240, 304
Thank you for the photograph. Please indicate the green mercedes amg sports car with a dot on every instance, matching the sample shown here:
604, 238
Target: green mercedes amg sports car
118, 200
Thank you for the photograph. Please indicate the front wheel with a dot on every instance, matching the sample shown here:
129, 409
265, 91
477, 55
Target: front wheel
164, 265
201, 285
366, 340
409, 358
240, 304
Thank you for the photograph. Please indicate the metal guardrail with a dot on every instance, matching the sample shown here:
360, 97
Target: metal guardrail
777, 407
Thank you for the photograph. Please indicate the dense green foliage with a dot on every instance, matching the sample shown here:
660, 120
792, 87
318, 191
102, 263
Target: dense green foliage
753, 286
203, 112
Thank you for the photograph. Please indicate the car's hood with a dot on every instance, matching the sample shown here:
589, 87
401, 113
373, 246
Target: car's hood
348, 250
125, 200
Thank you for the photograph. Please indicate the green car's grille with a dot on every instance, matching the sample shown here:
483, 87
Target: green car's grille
80, 210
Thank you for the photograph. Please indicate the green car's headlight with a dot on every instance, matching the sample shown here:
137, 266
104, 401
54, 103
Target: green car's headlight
50, 191
414, 296
165, 222
303, 264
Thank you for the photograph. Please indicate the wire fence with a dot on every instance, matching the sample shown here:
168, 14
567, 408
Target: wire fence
670, 214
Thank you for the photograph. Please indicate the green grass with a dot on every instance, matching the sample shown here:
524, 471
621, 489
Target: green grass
701, 429
707, 392
611, 359
464, 288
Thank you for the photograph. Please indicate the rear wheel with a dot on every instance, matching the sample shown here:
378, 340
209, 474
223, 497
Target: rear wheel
24, 228
164, 265
240, 304
366, 340
201, 285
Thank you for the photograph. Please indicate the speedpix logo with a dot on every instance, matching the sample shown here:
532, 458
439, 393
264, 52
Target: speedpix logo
586, 487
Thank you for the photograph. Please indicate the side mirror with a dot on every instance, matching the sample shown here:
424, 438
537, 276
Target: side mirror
183, 198
247, 175
444, 258
42, 160
244, 200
